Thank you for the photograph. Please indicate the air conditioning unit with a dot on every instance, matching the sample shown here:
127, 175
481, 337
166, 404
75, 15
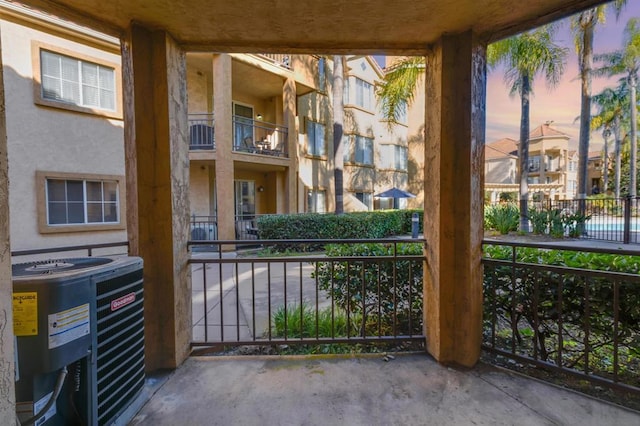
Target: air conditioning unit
84, 316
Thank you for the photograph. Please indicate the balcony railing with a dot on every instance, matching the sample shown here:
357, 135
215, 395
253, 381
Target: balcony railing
361, 295
580, 322
259, 137
282, 60
201, 131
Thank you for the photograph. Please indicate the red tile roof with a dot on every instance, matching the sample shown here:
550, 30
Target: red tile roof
502, 148
546, 131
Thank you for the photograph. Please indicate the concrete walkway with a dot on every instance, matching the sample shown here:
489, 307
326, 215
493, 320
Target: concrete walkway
365, 390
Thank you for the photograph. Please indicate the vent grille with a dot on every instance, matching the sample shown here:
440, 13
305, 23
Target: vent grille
120, 343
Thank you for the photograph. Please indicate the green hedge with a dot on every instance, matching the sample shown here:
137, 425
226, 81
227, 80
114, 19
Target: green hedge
376, 224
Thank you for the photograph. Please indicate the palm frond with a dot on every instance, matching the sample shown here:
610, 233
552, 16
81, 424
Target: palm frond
398, 88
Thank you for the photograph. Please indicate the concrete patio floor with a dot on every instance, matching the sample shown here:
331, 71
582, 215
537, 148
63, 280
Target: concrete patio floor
412, 389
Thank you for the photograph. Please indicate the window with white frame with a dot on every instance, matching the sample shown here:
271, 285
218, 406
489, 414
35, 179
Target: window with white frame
573, 166
322, 77
346, 148
365, 198
534, 163
315, 135
316, 201
572, 185
400, 157
393, 157
346, 95
82, 202
364, 150
78, 82
402, 113
364, 94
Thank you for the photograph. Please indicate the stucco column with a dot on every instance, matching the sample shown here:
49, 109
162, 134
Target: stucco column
157, 163
7, 349
454, 179
223, 134
289, 109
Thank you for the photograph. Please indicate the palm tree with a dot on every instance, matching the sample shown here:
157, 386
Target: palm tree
338, 131
611, 104
524, 56
583, 27
627, 61
399, 87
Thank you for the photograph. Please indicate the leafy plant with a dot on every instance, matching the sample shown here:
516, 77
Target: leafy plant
299, 320
385, 294
539, 220
502, 217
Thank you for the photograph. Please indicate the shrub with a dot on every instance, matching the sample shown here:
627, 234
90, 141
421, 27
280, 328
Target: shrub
502, 217
311, 226
539, 220
368, 289
301, 322
530, 300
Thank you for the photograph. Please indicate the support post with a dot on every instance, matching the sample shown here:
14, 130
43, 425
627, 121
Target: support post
157, 165
223, 135
7, 347
454, 179
289, 103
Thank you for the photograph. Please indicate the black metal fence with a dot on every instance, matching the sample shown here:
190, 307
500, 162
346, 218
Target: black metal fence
610, 219
582, 322
100, 249
343, 291
201, 134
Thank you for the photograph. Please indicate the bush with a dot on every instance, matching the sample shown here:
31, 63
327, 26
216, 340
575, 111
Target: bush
367, 288
502, 217
311, 226
539, 220
301, 322
546, 298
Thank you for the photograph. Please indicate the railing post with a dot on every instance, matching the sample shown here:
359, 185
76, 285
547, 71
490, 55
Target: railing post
415, 225
626, 236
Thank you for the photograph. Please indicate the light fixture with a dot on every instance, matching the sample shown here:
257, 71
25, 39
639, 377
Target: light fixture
259, 116
261, 188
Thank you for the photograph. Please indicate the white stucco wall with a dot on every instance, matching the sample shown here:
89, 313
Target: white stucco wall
52, 139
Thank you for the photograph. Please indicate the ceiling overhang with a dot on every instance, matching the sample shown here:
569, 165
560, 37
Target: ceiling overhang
314, 26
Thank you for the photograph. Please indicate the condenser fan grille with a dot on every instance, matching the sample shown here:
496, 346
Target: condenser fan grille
52, 266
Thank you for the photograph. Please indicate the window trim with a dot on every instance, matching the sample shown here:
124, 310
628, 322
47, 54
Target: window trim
309, 152
38, 99
41, 186
315, 190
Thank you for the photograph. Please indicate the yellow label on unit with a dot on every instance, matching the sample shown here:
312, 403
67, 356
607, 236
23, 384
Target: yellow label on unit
25, 314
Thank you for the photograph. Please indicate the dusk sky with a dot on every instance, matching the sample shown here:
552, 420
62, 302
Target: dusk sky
562, 104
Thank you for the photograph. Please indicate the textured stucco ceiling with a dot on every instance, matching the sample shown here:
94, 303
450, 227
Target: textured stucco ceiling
365, 26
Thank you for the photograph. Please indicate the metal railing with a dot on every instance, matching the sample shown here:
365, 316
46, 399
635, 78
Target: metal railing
610, 219
201, 131
262, 297
259, 137
89, 249
581, 322
283, 60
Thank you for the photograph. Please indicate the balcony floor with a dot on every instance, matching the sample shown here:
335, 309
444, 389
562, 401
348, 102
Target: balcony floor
412, 389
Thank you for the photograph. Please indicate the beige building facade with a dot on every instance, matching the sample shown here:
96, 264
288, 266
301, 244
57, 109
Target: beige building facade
63, 96
552, 166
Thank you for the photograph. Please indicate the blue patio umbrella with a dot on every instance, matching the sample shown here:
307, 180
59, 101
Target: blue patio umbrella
395, 193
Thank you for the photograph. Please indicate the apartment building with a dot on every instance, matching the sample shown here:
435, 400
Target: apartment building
552, 166
261, 139
260, 136
64, 130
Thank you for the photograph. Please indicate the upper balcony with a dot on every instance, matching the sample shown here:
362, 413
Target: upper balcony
259, 137
250, 136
